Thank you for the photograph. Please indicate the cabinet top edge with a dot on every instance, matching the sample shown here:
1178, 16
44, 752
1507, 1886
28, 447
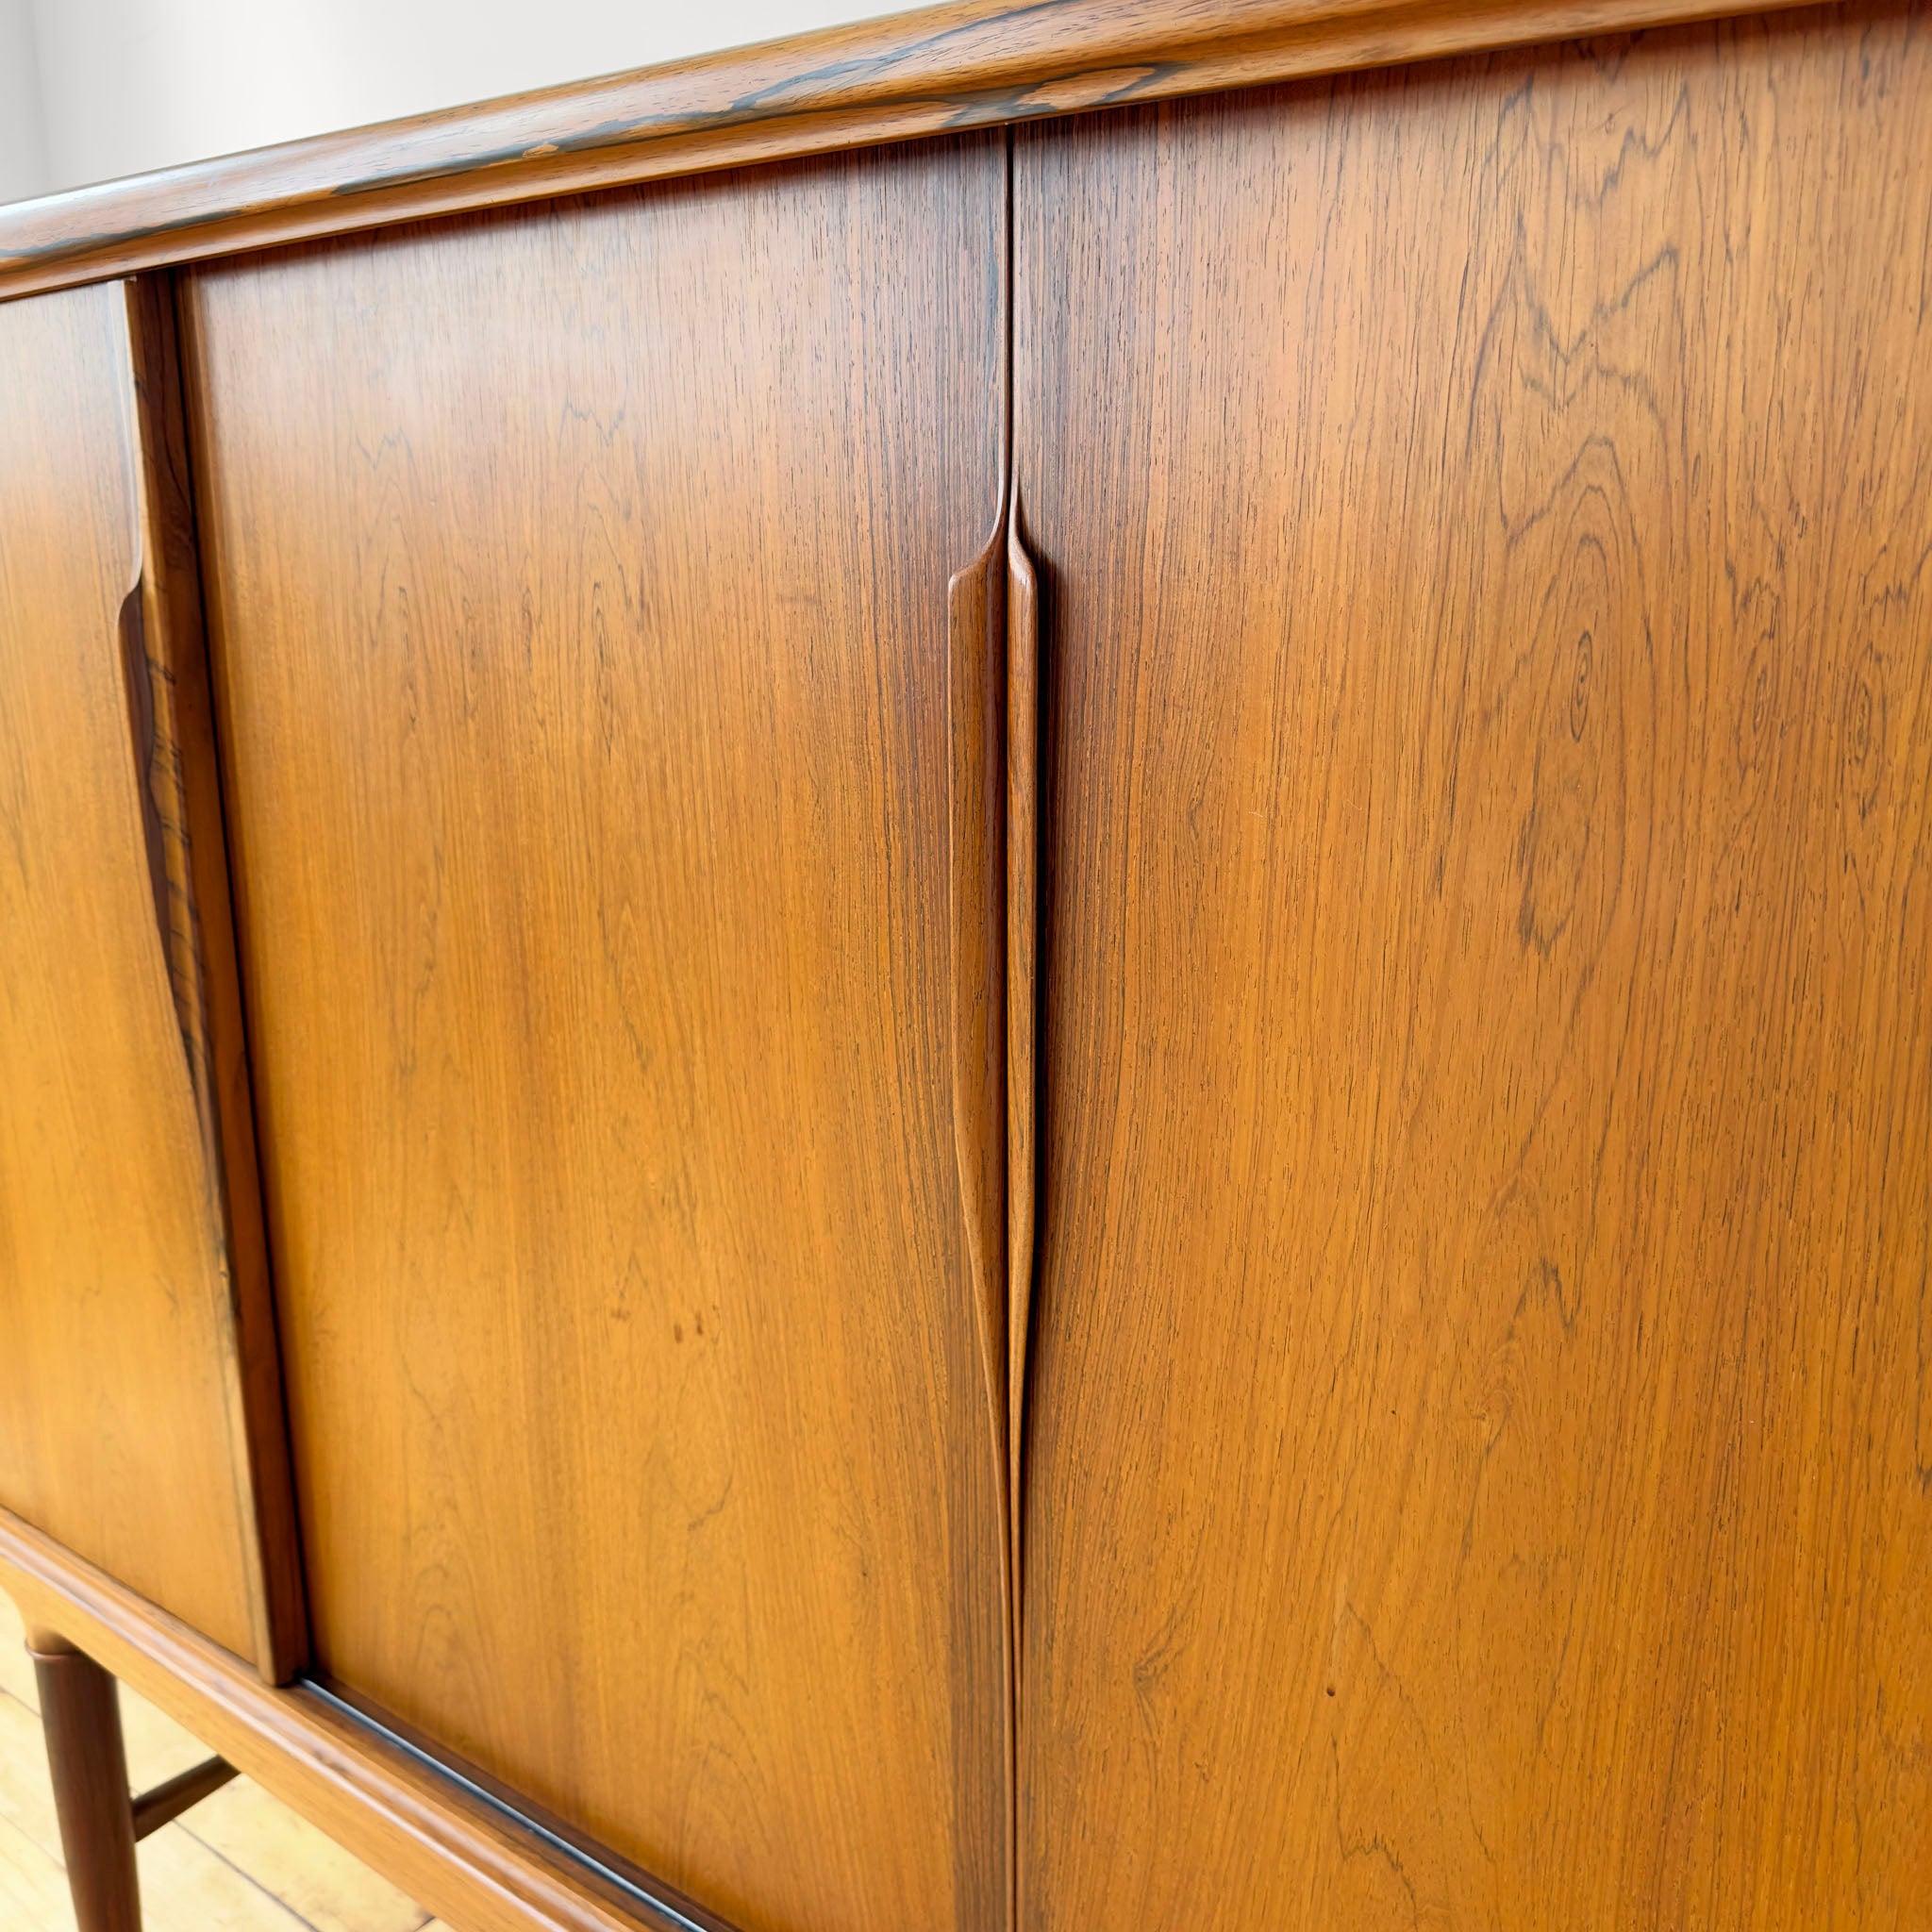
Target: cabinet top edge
960, 65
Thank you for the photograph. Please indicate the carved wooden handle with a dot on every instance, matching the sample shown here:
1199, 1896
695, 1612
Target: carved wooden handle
171, 732
1023, 919
977, 697
992, 708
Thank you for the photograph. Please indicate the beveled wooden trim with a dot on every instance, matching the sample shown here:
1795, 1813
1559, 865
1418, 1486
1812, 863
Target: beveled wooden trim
180, 788
969, 63
456, 1856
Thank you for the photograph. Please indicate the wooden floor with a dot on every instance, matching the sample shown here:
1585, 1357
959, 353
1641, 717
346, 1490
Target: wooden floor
241, 1862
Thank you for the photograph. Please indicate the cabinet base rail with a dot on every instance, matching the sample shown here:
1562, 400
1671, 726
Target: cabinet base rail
462, 1852
658, 1909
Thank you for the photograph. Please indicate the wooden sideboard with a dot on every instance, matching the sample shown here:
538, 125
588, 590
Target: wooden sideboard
980, 975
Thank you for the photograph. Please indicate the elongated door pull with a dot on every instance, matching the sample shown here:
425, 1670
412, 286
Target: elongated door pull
172, 721
1023, 916
976, 610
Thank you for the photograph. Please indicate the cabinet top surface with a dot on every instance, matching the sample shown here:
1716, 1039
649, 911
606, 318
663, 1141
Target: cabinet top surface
966, 63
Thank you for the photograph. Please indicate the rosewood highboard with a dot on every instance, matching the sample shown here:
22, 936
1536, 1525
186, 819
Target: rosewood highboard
980, 975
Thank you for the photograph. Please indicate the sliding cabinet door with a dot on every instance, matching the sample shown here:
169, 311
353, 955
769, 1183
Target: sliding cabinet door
139, 1423
1480, 1470
578, 585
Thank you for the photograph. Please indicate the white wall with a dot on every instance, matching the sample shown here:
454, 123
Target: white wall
22, 141
128, 84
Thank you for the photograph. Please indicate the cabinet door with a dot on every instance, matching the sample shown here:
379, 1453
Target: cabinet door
578, 593
1481, 1409
139, 1420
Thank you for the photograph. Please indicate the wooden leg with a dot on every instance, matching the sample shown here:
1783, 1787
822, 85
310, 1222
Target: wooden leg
82, 1720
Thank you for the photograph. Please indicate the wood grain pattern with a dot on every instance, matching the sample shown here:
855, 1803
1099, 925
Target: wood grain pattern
972, 63
114, 1430
464, 1861
187, 858
1480, 1471
577, 589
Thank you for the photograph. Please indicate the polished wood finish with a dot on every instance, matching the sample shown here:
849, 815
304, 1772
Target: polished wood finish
187, 860
1019, 972
940, 69
577, 597
975, 857
460, 1859
121, 1291
1094, 1065
88, 1763
1480, 1420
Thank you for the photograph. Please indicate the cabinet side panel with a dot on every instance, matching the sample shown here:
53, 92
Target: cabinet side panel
114, 1434
577, 584
1481, 1460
